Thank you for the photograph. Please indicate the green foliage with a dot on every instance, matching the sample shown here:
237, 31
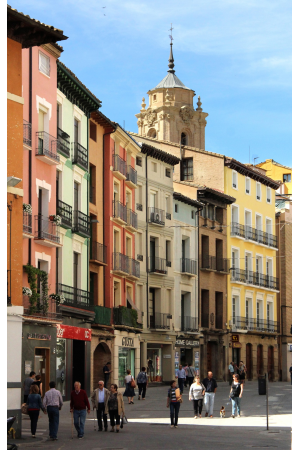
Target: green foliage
35, 299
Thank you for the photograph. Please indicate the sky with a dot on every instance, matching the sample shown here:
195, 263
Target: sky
235, 54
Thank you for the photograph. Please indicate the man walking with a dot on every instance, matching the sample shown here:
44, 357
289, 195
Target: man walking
53, 404
181, 378
106, 373
27, 383
210, 385
231, 372
78, 405
99, 399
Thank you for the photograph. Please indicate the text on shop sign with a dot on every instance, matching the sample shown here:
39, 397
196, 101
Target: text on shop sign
187, 342
127, 342
68, 332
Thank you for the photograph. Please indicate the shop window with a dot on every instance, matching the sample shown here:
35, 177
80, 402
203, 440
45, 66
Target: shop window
126, 361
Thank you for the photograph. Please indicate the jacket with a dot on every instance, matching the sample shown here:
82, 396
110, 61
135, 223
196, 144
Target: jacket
121, 408
34, 401
95, 397
142, 377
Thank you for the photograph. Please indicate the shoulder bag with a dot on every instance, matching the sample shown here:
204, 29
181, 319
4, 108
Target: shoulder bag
132, 383
24, 408
178, 396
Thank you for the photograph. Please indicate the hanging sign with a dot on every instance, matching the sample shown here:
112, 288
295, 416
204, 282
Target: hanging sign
235, 338
68, 332
236, 345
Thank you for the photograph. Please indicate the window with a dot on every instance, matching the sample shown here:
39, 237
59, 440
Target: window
154, 166
258, 191
193, 214
154, 97
184, 140
93, 131
168, 173
59, 115
268, 195
176, 207
187, 169
234, 179
287, 177
268, 312
247, 311
168, 253
75, 270
139, 161
248, 185
76, 131
44, 64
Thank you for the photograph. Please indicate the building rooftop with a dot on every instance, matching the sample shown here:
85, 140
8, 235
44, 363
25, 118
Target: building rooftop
273, 162
187, 200
251, 173
204, 192
159, 154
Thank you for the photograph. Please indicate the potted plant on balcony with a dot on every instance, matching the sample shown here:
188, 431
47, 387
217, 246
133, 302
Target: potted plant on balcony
55, 218
27, 208
59, 299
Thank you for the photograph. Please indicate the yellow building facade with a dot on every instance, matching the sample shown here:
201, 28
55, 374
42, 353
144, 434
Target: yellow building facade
252, 284
278, 172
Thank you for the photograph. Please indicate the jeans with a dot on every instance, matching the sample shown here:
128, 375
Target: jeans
174, 409
100, 414
236, 404
34, 417
209, 402
53, 415
142, 388
79, 420
198, 406
113, 414
180, 384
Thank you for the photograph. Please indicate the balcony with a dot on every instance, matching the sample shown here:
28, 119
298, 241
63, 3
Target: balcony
46, 148
134, 269
126, 317
80, 156
81, 224
160, 321
253, 234
156, 216
120, 264
63, 144
102, 315
75, 297
27, 225
119, 212
132, 221
260, 325
42, 311
204, 320
208, 262
254, 278
98, 253
26, 133
46, 231
119, 167
65, 212
188, 266
157, 265
131, 177
188, 323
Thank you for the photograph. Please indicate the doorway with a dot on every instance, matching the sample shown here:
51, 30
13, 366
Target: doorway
186, 356
236, 355
42, 365
78, 362
249, 361
271, 363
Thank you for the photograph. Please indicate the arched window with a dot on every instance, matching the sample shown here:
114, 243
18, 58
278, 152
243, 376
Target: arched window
152, 133
184, 140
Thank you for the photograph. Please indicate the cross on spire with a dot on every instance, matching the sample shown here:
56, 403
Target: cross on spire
171, 59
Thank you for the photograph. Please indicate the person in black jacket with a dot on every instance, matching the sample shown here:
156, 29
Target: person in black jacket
34, 404
210, 385
235, 394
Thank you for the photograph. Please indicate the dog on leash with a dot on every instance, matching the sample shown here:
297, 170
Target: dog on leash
222, 412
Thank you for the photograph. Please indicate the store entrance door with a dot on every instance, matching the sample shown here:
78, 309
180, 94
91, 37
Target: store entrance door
42, 365
78, 362
186, 356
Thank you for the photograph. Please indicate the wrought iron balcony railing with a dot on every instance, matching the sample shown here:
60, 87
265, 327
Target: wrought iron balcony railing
46, 229
75, 297
119, 211
120, 262
63, 144
213, 263
26, 133
81, 224
156, 216
46, 145
126, 316
132, 220
27, 222
246, 323
157, 265
65, 212
119, 165
134, 267
188, 266
80, 155
42, 310
131, 175
254, 278
98, 252
188, 323
247, 232
160, 321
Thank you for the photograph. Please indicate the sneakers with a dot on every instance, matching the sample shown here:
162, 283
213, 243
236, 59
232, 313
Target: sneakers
232, 416
196, 417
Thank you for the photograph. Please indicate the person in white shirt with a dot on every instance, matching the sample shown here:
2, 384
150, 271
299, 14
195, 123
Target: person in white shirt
197, 391
99, 399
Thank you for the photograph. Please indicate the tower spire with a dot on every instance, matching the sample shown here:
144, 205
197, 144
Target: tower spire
171, 58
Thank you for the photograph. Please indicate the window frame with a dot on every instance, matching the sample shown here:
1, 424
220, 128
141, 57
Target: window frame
185, 169
258, 184
268, 190
234, 185
48, 69
248, 179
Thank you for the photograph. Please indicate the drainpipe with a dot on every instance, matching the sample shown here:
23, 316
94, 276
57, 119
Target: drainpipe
147, 268
30, 152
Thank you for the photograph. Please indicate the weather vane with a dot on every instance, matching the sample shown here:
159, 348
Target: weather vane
170, 35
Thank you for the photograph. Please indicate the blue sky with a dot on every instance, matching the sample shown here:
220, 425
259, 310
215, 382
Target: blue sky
235, 54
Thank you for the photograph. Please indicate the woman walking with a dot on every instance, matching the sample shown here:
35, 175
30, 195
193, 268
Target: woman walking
34, 404
197, 391
129, 391
173, 401
235, 394
242, 372
39, 384
142, 382
114, 406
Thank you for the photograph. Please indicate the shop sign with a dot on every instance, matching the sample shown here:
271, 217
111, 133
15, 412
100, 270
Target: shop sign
235, 338
127, 342
40, 337
184, 342
69, 332
236, 345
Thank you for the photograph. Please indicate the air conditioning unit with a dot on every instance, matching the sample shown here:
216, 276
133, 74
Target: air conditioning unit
157, 217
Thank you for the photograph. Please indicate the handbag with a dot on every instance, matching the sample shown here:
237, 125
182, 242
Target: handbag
125, 420
24, 408
178, 395
132, 383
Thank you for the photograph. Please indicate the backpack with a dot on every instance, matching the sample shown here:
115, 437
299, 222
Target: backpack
142, 377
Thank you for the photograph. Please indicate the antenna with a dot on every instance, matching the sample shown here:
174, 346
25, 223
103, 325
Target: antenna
255, 159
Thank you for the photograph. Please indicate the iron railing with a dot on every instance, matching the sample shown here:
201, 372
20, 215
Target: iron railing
139, 207
188, 266
131, 175
46, 145
119, 210
134, 267
119, 165
157, 265
132, 220
126, 316
160, 321
63, 144
80, 155
9, 287
75, 297
98, 252
27, 222
205, 320
254, 278
65, 212
81, 224
41, 310
213, 263
188, 323
26, 133
253, 234
156, 216
246, 323
120, 262
46, 229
